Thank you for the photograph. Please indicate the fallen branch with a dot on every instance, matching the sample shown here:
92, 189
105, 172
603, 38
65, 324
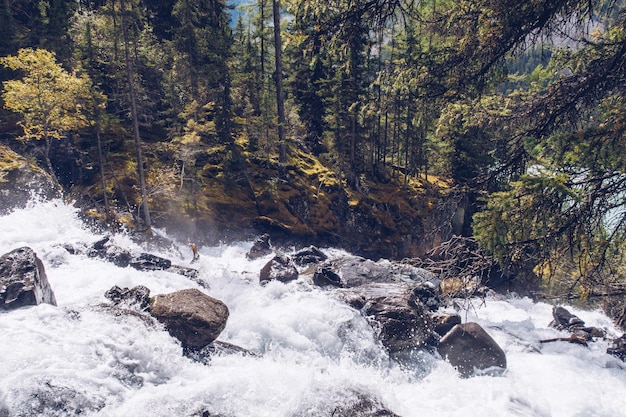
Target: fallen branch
572, 339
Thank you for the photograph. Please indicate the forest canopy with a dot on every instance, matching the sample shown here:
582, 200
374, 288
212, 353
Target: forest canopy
520, 104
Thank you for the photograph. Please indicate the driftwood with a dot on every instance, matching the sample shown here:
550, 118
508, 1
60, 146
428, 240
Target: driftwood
572, 339
459, 256
459, 261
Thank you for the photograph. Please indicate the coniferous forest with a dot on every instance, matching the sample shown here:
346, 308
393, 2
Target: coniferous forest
384, 126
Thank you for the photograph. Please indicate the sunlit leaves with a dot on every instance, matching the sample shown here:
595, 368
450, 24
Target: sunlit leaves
50, 100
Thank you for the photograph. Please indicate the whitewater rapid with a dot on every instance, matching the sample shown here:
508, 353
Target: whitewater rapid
313, 353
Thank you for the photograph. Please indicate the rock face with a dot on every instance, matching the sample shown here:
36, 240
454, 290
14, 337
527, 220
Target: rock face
471, 350
191, 316
23, 280
279, 268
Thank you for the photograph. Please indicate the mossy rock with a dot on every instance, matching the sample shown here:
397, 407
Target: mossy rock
21, 181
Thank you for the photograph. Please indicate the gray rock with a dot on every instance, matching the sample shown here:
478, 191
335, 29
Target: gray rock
261, 247
136, 298
351, 403
400, 320
23, 280
279, 268
148, 262
213, 349
618, 348
143, 261
353, 271
191, 316
563, 319
470, 349
20, 181
444, 322
308, 256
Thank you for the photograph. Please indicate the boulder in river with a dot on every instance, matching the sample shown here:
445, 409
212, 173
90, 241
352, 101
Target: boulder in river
400, 320
470, 349
136, 298
308, 256
352, 271
191, 316
564, 320
279, 268
261, 247
23, 280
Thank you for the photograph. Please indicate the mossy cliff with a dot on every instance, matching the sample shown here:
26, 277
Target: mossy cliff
225, 193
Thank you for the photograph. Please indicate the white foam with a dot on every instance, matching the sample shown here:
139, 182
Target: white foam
314, 352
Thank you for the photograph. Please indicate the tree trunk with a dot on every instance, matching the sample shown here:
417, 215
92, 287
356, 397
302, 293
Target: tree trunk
48, 161
133, 108
107, 211
280, 98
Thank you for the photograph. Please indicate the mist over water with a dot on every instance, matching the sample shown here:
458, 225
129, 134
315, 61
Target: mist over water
314, 354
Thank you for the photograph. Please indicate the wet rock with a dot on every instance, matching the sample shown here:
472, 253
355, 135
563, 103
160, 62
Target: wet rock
618, 348
23, 280
215, 348
47, 398
280, 268
136, 298
309, 256
261, 247
353, 404
444, 322
364, 406
324, 276
207, 413
428, 294
117, 256
353, 271
191, 316
148, 262
22, 181
396, 314
143, 261
349, 272
564, 320
470, 349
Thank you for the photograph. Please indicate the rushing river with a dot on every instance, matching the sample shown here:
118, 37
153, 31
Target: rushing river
314, 354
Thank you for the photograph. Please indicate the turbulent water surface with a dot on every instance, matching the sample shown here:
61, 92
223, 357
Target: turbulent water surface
315, 355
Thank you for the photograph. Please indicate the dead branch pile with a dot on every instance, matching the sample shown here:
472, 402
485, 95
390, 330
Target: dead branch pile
459, 258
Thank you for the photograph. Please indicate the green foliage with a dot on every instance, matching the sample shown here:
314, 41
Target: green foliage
50, 100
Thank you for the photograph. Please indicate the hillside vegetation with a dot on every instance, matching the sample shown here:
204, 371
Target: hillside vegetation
385, 127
